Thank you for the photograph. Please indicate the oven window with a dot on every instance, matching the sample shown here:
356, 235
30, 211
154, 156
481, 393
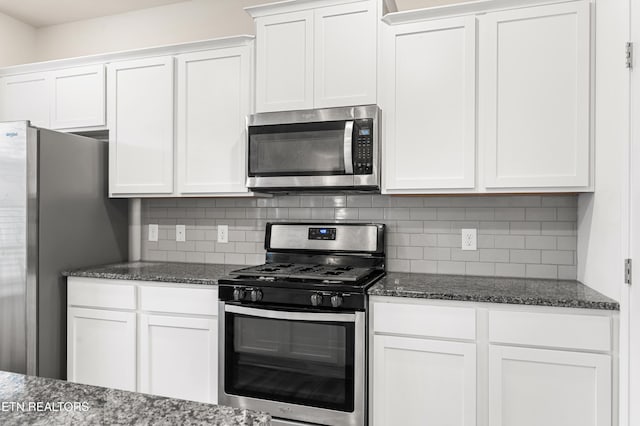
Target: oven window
298, 362
297, 149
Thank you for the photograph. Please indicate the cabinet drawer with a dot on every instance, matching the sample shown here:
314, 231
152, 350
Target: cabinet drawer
199, 301
587, 332
422, 320
99, 293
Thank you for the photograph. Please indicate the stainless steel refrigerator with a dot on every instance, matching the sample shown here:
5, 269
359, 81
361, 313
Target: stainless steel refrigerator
54, 215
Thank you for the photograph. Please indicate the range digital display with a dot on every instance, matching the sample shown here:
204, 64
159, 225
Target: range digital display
322, 233
365, 132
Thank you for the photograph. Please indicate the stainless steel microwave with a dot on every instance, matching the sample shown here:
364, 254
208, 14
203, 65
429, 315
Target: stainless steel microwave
321, 149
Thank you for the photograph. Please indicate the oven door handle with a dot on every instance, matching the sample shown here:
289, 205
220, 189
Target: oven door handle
288, 315
348, 147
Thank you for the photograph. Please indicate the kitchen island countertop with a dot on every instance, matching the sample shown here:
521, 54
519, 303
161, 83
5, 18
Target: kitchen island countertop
41, 401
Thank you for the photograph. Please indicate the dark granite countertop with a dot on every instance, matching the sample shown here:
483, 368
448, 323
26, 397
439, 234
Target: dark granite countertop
173, 272
520, 291
101, 406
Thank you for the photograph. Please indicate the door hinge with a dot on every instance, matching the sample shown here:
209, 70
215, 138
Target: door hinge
629, 54
627, 271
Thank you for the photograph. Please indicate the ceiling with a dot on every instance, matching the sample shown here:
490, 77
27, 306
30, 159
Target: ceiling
42, 13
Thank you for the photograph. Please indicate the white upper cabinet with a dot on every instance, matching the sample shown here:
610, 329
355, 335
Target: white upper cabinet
345, 55
78, 97
534, 97
428, 96
140, 106
524, 128
25, 97
314, 58
213, 101
284, 62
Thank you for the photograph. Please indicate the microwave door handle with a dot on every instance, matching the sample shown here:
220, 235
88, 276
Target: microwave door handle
348, 147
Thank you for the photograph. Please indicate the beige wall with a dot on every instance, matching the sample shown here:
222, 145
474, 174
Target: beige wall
17, 41
174, 23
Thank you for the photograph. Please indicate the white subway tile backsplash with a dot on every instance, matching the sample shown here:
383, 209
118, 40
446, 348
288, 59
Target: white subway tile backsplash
540, 242
424, 266
447, 267
521, 236
542, 271
524, 256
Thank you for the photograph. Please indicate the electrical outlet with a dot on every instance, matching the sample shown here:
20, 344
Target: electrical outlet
153, 232
181, 233
223, 233
469, 239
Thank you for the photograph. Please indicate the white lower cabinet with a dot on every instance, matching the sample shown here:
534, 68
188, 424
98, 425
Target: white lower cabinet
463, 363
179, 357
160, 339
101, 348
423, 382
532, 387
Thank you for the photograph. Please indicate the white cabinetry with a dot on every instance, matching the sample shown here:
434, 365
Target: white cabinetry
78, 97
314, 58
140, 111
179, 357
530, 121
429, 98
421, 381
68, 98
462, 363
213, 101
101, 348
416, 379
174, 326
213, 98
345, 55
534, 99
531, 387
284, 61
25, 97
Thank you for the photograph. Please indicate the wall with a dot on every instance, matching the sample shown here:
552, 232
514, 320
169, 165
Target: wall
174, 23
17, 42
533, 236
601, 218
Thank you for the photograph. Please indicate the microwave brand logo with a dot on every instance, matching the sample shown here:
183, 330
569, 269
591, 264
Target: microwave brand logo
11, 134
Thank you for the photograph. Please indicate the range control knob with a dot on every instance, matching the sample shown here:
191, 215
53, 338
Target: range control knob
336, 300
256, 295
316, 299
238, 293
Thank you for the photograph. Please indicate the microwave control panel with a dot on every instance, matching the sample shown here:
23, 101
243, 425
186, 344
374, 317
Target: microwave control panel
363, 155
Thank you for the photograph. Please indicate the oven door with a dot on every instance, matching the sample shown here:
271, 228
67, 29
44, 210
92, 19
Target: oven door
304, 366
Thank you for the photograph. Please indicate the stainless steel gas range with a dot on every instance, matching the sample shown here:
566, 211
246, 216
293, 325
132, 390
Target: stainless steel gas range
293, 332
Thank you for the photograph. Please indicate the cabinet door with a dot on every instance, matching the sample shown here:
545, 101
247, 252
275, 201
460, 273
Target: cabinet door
78, 97
429, 102
213, 102
101, 348
179, 357
532, 387
423, 382
25, 97
284, 62
345, 45
534, 101
140, 116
